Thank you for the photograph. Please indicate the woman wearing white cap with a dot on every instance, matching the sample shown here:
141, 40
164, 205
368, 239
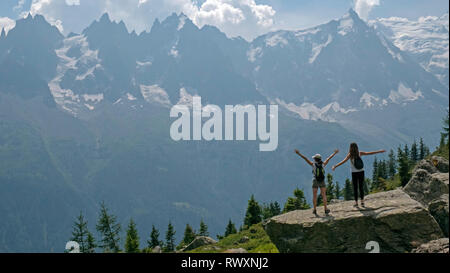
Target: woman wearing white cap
357, 168
318, 178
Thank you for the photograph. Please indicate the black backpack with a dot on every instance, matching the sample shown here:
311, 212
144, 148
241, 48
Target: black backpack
358, 163
319, 172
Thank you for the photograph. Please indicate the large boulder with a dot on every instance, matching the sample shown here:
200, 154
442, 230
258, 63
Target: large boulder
436, 246
157, 249
429, 186
425, 187
439, 210
200, 241
392, 219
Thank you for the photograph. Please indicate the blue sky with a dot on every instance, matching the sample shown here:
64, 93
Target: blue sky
248, 18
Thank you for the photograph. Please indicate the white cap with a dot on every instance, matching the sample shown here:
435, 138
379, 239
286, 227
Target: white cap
317, 156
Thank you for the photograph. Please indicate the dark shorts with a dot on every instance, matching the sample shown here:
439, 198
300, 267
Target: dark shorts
317, 184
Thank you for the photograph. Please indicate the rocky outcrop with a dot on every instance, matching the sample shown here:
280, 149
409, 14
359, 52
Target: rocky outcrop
200, 241
157, 249
436, 246
395, 221
429, 186
236, 250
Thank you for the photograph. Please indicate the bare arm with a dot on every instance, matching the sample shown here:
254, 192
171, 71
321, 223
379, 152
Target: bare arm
304, 157
342, 162
330, 157
372, 153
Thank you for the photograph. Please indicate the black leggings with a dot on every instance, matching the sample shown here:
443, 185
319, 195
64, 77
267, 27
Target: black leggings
358, 182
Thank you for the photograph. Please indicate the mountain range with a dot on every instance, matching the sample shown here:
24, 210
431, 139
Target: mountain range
84, 118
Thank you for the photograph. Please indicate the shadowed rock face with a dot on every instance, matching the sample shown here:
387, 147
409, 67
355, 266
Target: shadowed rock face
429, 186
393, 219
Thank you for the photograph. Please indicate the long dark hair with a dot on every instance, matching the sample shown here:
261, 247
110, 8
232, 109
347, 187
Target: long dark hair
353, 151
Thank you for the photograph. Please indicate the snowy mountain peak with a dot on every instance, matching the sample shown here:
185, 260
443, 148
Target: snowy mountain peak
105, 18
176, 22
351, 22
352, 14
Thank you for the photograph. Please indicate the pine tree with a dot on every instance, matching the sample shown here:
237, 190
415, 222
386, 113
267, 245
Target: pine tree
270, 210
298, 202
203, 231
275, 209
91, 244
385, 173
132, 239
421, 149
403, 169
414, 152
382, 169
230, 229
154, 239
406, 152
367, 185
337, 191
80, 234
375, 170
265, 211
189, 235
330, 187
109, 230
392, 164
399, 153
348, 190
170, 239
253, 213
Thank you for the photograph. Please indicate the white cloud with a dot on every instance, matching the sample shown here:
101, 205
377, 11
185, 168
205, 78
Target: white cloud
235, 17
19, 5
7, 24
73, 2
363, 7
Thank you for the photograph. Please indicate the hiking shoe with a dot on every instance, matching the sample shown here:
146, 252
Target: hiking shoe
315, 212
327, 211
362, 204
355, 205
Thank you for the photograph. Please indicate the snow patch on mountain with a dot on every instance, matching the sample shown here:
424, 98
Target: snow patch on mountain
130, 97
317, 48
368, 100
173, 52
403, 94
88, 60
310, 111
254, 53
311, 31
182, 22
426, 38
88, 73
140, 65
90, 107
154, 93
276, 39
345, 25
185, 97
93, 98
